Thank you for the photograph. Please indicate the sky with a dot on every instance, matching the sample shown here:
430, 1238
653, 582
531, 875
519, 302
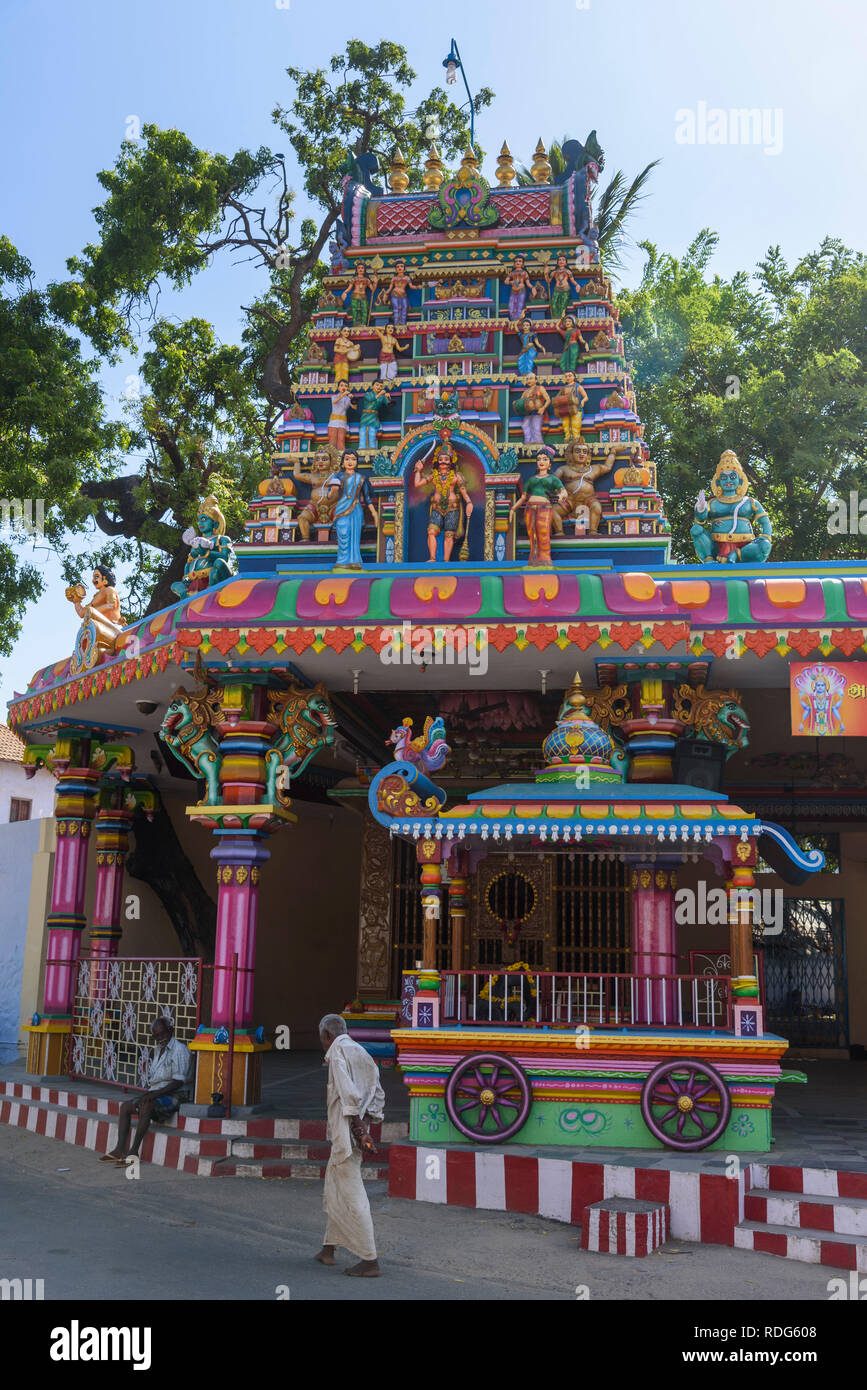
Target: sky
647, 76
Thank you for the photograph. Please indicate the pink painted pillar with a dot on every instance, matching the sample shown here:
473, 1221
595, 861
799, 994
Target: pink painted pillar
238, 862
74, 809
654, 944
112, 842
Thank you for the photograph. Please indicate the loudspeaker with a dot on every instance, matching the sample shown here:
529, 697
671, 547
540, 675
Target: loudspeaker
700, 764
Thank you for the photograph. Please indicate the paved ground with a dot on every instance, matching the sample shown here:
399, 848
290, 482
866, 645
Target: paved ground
89, 1232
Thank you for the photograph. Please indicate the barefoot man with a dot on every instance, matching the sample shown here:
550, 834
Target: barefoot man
354, 1097
169, 1074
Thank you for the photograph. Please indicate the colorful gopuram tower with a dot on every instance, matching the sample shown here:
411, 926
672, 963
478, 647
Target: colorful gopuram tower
477, 322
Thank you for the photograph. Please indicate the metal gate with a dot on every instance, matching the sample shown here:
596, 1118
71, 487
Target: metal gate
116, 1001
805, 974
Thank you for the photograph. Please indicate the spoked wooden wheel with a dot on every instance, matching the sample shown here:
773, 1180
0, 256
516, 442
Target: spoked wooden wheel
685, 1104
488, 1098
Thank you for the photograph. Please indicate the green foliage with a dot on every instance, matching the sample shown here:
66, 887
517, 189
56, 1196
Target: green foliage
770, 365
53, 433
613, 205
362, 109
166, 201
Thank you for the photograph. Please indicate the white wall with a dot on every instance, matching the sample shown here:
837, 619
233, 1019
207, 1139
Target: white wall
18, 844
38, 789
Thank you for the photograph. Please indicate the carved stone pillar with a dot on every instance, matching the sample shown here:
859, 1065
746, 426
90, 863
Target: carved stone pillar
740, 882
374, 914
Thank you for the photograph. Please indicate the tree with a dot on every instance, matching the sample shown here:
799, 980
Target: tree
614, 205
53, 434
770, 365
207, 204
200, 427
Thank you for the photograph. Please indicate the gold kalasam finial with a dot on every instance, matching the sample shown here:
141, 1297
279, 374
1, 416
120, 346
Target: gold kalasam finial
574, 704
469, 163
434, 170
540, 168
398, 179
505, 167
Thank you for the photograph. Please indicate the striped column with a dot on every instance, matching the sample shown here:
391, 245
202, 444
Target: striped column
111, 827
74, 809
654, 944
739, 888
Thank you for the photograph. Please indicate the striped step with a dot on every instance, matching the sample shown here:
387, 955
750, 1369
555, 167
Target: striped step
285, 1168
817, 1182
190, 1144
842, 1216
315, 1153
810, 1247
623, 1226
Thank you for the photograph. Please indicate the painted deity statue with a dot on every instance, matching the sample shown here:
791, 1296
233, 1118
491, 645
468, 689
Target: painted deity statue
390, 347
573, 345
538, 498
449, 490
396, 291
578, 475
569, 407
519, 287
357, 294
345, 351
531, 406
374, 401
101, 620
563, 278
318, 510
530, 349
350, 493
734, 527
211, 558
341, 402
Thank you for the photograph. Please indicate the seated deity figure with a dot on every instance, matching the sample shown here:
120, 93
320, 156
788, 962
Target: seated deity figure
734, 527
449, 490
212, 556
578, 474
318, 510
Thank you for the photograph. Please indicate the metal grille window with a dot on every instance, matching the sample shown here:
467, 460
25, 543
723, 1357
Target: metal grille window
406, 916
805, 974
592, 916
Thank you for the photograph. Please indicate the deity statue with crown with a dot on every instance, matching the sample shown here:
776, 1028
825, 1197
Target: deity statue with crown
733, 528
212, 557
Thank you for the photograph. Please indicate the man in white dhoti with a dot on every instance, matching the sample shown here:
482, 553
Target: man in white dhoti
354, 1097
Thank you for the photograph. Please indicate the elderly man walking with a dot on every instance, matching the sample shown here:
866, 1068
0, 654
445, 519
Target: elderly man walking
354, 1096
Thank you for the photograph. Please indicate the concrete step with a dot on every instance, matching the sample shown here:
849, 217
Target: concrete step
816, 1247
815, 1182
289, 1168
198, 1146
838, 1215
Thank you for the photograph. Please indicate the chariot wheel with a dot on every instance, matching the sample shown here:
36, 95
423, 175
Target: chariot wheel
488, 1098
685, 1104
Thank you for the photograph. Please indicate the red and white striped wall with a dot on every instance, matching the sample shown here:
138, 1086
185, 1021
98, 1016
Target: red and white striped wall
704, 1206
620, 1226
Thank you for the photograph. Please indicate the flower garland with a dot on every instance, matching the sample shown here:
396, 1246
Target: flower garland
513, 996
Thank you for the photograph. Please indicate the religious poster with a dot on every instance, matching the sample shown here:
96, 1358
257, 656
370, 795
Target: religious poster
829, 698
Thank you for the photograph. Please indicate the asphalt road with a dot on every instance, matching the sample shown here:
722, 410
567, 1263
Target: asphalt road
91, 1233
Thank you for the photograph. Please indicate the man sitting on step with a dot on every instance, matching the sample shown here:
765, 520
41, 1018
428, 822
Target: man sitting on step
168, 1078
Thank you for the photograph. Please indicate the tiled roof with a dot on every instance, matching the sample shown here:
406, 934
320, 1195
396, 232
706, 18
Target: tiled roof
11, 746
